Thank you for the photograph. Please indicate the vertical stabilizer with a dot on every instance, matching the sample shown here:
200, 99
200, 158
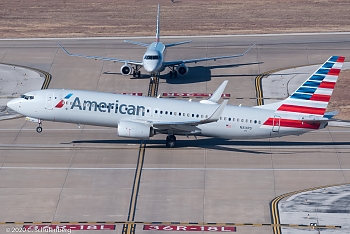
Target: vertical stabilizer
313, 96
157, 30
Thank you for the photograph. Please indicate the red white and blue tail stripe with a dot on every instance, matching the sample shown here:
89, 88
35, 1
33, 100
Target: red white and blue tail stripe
313, 96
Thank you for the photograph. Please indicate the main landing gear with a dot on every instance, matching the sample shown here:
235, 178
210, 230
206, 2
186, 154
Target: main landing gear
173, 72
170, 141
136, 71
39, 129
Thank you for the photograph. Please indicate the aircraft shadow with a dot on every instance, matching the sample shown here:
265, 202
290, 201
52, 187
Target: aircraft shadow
218, 144
199, 74
195, 74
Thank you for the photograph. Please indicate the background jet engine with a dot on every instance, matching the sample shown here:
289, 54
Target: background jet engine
126, 69
182, 69
135, 130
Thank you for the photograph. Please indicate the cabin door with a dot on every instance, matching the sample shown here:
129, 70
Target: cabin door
276, 123
49, 101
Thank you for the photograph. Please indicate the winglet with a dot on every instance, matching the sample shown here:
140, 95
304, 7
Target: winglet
216, 115
249, 49
216, 95
64, 49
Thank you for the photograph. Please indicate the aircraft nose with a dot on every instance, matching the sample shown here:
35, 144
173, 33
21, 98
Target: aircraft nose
13, 104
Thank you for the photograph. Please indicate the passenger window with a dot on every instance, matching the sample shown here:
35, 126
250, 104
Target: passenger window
237, 119
220, 118
229, 119
206, 116
233, 119
188, 114
259, 122
175, 113
197, 115
246, 120
192, 115
224, 118
242, 120
250, 121
155, 111
255, 121
202, 116
166, 112
171, 113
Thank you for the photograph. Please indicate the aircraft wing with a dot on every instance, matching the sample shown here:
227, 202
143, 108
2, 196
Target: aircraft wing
136, 43
102, 58
177, 43
173, 63
189, 125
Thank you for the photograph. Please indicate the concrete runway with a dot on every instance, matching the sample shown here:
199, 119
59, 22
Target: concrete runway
87, 174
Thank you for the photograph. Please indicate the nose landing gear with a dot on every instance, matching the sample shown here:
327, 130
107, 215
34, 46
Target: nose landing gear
39, 129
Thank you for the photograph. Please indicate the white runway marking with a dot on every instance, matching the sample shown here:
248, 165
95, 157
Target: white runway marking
177, 168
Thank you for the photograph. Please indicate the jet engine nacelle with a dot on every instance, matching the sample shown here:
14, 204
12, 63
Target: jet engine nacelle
182, 69
135, 130
126, 70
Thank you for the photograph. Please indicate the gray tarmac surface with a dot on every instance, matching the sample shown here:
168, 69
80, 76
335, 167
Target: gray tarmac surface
71, 174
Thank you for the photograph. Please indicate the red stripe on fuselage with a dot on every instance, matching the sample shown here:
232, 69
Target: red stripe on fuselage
292, 123
320, 97
302, 109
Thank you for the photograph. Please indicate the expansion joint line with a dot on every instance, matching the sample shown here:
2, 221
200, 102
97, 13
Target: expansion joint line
130, 227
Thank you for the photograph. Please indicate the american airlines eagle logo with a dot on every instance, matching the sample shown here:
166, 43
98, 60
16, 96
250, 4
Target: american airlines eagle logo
61, 103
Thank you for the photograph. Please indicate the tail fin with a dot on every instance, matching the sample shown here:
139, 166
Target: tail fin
313, 96
157, 29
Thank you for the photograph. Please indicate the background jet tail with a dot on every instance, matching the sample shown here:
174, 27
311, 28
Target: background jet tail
313, 96
157, 29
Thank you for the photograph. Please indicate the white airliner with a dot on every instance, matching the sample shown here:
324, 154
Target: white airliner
143, 117
153, 59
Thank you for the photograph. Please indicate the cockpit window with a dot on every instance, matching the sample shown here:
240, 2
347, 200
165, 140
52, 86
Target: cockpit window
27, 97
152, 57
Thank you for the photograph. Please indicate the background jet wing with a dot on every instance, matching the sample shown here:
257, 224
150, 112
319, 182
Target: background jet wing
173, 63
136, 43
177, 43
102, 58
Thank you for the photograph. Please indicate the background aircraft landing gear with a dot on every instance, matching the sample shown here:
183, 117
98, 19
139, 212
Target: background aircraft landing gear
136, 71
173, 73
170, 141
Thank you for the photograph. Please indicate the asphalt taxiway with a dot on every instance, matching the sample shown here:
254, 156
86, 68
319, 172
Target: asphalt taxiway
72, 174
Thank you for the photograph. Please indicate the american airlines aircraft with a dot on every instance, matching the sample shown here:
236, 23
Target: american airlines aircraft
143, 117
153, 59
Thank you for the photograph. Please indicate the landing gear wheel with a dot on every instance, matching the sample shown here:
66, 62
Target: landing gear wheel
170, 141
39, 129
175, 74
139, 74
171, 74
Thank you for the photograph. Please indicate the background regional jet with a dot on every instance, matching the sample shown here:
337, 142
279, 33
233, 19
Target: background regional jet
153, 59
143, 117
